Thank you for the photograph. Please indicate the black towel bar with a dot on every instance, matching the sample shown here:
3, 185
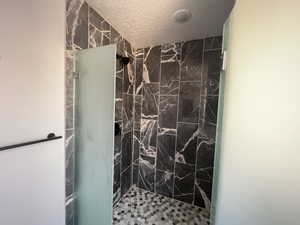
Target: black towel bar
50, 137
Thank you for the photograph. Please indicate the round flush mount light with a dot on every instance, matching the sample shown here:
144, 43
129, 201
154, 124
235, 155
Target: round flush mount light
182, 15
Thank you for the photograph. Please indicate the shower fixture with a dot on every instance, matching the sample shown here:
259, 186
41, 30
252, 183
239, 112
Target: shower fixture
124, 60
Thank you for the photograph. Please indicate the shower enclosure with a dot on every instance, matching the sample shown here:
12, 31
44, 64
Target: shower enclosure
146, 122
95, 90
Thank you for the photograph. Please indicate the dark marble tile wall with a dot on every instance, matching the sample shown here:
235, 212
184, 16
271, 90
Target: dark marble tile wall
85, 28
175, 115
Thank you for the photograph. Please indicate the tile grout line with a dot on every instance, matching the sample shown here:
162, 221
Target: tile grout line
157, 127
177, 116
199, 119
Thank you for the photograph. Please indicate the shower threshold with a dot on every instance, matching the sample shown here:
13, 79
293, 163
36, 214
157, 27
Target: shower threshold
141, 207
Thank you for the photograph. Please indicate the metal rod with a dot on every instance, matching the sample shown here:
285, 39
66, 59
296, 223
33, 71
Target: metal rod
50, 137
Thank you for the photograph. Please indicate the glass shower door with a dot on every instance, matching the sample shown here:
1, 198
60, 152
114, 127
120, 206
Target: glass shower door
94, 135
220, 120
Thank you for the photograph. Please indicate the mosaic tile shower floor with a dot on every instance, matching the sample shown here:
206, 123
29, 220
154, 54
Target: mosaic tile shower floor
140, 207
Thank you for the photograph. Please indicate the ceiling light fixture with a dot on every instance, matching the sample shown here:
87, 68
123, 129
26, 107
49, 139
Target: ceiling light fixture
182, 15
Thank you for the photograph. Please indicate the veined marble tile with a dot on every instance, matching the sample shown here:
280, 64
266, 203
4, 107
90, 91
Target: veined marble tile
150, 101
97, 38
152, 57
69, 81
117, 182
204, 172
148, 137
139, 84
126, 178
76, 24
168, 106
173, 50
211, 110
116, 38
136, 146
135, 174
118, 145
170, 88
169, 84
203, 188
212, 62
126, 150
211, 84
187, 135
139, 53
129, 76
137, 112
184, 182
213, 43
189, 102
127, 112
70, 161
128, 48
146, 172
99, 22
70, 211
164, 183
166, 152
80, 24
192, 53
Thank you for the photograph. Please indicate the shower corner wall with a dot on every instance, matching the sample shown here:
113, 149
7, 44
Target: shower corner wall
175, 116
87, 29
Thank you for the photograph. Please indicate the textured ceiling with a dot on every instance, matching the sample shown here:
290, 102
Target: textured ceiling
150, 22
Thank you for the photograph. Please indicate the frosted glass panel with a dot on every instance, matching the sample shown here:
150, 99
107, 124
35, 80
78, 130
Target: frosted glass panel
94, 135
219, 124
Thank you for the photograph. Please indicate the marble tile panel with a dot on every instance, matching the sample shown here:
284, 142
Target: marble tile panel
118, 145
146, 172
212, 62
137, 112
191, 67
139, 53
70, 211
171, 49
127, 112
139, 84
187, 135
148, 137
126, 150
168, 114
189, 102
135, 174
166, 152
164, 183
116, 38
150, 101
76, 24
152, 58
129, 74
136, 146
70, 161
128, 48
126, 177
184, 182
211, 110
213, 43
203, 188
169, 84
117, 182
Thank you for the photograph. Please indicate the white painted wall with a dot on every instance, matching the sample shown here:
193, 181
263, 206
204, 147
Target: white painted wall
260, 160
32, 105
